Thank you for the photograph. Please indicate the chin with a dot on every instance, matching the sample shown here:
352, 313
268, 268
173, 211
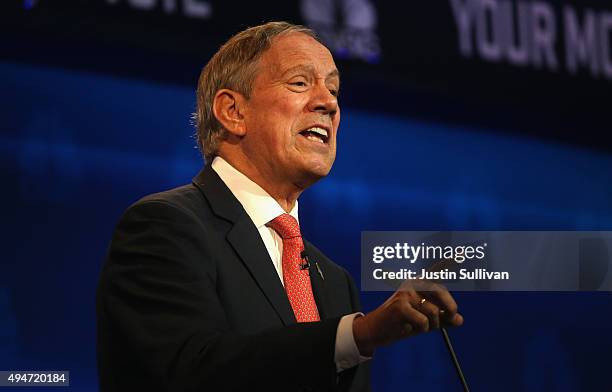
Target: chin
313, 173
319, 171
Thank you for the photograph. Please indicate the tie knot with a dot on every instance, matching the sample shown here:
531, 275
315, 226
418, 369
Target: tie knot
286, 226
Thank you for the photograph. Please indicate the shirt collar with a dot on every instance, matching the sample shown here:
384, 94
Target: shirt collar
258, 204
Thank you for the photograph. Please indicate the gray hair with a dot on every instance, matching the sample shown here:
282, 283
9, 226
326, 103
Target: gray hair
234, 67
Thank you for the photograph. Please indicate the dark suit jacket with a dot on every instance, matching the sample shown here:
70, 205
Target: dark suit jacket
189, 300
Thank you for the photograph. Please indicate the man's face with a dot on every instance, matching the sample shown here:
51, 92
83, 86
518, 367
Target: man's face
292, 115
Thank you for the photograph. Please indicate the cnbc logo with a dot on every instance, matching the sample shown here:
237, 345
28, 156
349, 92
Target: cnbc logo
347, 27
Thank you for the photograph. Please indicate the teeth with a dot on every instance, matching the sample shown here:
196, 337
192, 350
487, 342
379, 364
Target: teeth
318, 130
314, 138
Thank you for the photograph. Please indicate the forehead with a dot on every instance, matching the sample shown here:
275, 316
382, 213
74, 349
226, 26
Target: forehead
292, 50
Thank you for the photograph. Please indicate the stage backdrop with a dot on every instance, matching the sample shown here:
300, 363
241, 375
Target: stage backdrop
89, 127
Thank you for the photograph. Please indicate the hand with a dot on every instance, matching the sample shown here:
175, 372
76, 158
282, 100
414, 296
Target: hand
416, 307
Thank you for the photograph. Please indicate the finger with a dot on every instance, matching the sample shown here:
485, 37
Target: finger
444, 300
407, 330
417, 320
431, 311
406, 297
407, 293
406, 285
457, 320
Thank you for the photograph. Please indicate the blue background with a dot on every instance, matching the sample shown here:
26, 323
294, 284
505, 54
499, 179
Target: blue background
77, 148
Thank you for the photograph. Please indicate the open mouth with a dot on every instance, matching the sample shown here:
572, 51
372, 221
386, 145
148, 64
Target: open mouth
315, 134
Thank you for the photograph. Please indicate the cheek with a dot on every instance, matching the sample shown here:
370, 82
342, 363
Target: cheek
336, 123
285, 116
337, 119
289, 109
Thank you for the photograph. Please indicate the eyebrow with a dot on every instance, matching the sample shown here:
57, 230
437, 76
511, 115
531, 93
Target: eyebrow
333, 74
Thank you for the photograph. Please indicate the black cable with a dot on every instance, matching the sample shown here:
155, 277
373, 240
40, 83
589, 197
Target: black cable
449, 346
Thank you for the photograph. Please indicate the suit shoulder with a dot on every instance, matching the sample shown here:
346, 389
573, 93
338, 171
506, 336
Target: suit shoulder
187, 198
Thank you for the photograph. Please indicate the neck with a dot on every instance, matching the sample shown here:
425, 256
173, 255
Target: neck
284, 192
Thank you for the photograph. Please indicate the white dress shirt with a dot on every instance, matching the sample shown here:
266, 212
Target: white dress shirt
262, 208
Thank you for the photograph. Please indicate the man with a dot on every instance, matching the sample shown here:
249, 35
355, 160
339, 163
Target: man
210, 286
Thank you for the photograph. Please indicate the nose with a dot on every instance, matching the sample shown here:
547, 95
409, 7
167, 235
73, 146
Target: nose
323, 101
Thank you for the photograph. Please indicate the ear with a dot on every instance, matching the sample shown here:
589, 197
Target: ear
228, 106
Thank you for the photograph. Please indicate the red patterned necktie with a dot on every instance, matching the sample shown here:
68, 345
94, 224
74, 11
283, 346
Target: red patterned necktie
297, 280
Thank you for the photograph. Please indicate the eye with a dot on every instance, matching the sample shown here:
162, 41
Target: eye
334, 92
298, 82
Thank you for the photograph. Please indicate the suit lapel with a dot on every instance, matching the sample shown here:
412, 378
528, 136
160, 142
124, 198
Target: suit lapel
317, 281
245, 240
